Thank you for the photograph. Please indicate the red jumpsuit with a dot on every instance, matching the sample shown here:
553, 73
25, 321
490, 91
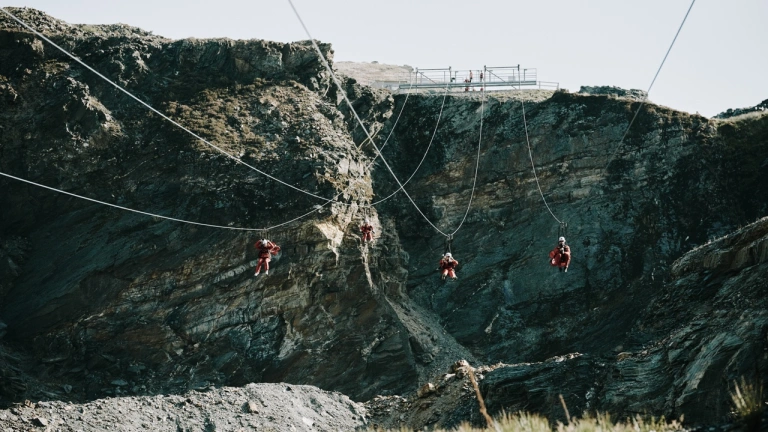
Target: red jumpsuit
448, 267
560, 256
367, 231
265, 252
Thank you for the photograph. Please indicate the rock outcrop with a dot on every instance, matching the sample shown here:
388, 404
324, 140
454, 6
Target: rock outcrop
707, 328
634, 94
275, 407
93, 297
85, 302
677, 181
729, 113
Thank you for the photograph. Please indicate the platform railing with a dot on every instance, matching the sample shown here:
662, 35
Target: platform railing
487, 78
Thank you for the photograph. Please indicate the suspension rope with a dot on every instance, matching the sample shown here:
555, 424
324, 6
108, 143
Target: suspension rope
530, 155
645, 98
265, 229
434, 133
397, 119
477, 162
73, 57
346, 99
344, 95
157, 215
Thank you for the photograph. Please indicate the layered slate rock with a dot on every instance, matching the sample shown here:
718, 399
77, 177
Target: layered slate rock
100, 302
99, 297
705, 331
277, 407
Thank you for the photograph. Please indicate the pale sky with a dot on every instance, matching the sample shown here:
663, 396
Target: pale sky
720, 59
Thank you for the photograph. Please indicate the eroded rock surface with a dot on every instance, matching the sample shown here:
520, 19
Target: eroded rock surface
275, 407
106, 296
100, 302
614, 91
707, 328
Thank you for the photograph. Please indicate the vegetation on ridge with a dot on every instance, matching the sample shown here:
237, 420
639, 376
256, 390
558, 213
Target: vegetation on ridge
527, 422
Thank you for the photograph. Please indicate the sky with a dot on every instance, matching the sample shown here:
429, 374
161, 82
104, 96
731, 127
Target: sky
720, 59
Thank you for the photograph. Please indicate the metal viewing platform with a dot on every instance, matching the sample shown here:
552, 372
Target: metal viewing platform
488, 78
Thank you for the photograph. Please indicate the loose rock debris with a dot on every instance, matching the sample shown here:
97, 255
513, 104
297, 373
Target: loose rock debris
253, 407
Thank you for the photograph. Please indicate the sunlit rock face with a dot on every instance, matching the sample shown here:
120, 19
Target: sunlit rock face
94, 296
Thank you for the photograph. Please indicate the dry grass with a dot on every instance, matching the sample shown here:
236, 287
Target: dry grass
741, 117
525, 422
748, 404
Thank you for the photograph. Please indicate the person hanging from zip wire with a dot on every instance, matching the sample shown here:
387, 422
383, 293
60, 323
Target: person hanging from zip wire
448, 266
367, 229
560, 256
266, 250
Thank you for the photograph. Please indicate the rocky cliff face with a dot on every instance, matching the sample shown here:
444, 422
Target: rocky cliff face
92, 296
677, 181
706, 327
99, 295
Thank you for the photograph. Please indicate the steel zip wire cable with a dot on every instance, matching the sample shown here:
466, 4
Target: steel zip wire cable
397, 119
327, 201
73, 57
477, 162
346, 99
317, 209
153, 214
439, 116
645, 98
344, 95
530, 155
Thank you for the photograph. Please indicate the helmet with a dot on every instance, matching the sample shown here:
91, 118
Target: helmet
448, 255
561, 239
367, 220
264, 242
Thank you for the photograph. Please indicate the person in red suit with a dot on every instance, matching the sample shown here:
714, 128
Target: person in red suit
266, 250
367, 230
560, 256
448, 266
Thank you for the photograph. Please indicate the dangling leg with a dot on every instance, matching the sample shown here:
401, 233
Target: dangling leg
258, 266
452, 273
266, 266
445, 273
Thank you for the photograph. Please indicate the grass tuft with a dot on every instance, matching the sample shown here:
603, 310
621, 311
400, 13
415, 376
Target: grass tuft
748, 404
526, 422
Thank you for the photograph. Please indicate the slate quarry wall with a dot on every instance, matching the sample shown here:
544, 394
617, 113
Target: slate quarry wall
92, 296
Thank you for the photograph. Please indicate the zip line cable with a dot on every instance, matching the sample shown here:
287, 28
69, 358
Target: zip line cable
477, 163
397, 119
439, 116
327, 201
645, 98
73, 57
530, 155
317, 209
153, 214
344, 95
